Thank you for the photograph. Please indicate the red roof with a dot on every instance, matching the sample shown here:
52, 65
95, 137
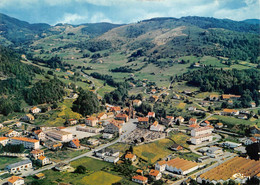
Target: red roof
141, 119
121, 116
116, 108
193, 119
154, 173
13, 179
207, 122
76, 142
151, 113
140, 178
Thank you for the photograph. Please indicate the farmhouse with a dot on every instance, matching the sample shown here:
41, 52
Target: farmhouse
4, 140
137, 103
60, 135
35, 110
155, 174
22, 165
229, 112
239, 169
27, 142
36, 153
15, 180
140, 179
91, 121
113, 127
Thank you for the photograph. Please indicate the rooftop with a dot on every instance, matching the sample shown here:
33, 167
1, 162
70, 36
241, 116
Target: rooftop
25, 139
27, 161
13, 179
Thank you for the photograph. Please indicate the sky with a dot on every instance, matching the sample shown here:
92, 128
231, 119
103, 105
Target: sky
125, 11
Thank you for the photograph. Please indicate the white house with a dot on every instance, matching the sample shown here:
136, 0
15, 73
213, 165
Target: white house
15, 180
111, 159
155, 174
12, 133
160, 166
43, 160
37, 153
35, 110
156, 127
140, 179
27, 142
60, 135
4, 140
201, 134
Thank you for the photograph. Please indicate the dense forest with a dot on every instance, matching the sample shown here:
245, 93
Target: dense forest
243, 82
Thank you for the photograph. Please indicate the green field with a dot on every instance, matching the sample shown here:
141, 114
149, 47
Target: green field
90, 164
234, 121
99, 178
8, 160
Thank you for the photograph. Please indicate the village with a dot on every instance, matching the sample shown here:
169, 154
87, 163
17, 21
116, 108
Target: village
193, 147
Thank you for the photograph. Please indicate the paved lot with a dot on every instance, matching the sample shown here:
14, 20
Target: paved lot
78, 134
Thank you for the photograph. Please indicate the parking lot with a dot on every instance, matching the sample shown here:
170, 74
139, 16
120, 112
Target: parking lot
78, 134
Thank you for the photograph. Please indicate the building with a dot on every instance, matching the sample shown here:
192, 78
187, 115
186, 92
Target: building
72, 121
219, 125
36, 153
74, 143
93, 141
214, 97
176, 96
113, 127
239, 169
107, 152
249, 141
91, 121
102, 116
177, 165
123, 117
154, 98
230, 112
192, 108
4, 140
151, 115
39, 134
176, 147
230, 144
230, 96
180, 119
137, 103
116, 110
62, 166
1, 126
111, 159
201, 134
155, 174
192, 121
107, 136
253, 104
35, 110
242, 116
140, 179
156, 127
205, 123
60, 135
110, 115
12, 133
43, 160
88, 129
15, 180
143, 120
27, 142
27, 117
214, 152
17, 167
131, 157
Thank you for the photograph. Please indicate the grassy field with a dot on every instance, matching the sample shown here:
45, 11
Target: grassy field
8, 160
234, 121
181, 105
180, 138
90, 164
99, 178
153, 151
205, 94
61, 155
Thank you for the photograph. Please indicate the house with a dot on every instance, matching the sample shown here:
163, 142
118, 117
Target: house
214, 152
73, 96
62, 166
12, 133
160, 166
93, 141
132, 84
139, 171
213, 97
17, 124
102, 116
116, 110
151, 115
153, 91
201, 134
43, 160
72, 121
113, 127
205, 123
156, 127
137, 103
36, 153
230, 96
192, 121
255, 130
242, 116
15, 180
192, 108
70, 72
88, 129
230, 144
57, 70
154, 98
27, 117
176, 147
39, 134
253, 104
91, 121
180, 119
143, 120
107, 136
1, 126
55, 147
123, 117
60, 135
230, 102
230, 112
250, 141
155, 174
17, 167
176, 96
140, 179
40, 176
74, 143
4, 140
219, 125
131, 157
110, 115
111, 159
107, 152
35, 110
27, 142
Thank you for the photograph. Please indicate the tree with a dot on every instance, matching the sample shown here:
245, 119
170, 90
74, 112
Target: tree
80, 169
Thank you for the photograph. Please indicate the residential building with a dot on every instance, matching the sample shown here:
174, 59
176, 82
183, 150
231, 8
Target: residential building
143, 120
91, 121
238, 169
123, 117
27, 142
253, 104
62, 166
116, 110
72, 121
1, 126
93, 141
111, 159
15, 180
19, 166
12, 133
192, 108
160, 166
201, 134
88, 129
192, 121
176, 96
113, 127
107, 136
107, 152
74, 143
39, 134
230, 144
153, 91
242, 116
250, 141
137, 103
205, 123
4, 140
214, 152
151, 115
60, 135
154, 98
180, 119
176, 147
213, 97
131, 157
230, 96
140, 179
155, 174
36, 153
43, 160
35, 110
230, 112
27, 117
156, 127
219, 125
102, 116
110, 115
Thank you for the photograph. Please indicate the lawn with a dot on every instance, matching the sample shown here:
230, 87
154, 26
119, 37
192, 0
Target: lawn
181, 105
154, 151
180, 138
234, 121
99, 178
8, 160
90, 164
204, 95
64, 154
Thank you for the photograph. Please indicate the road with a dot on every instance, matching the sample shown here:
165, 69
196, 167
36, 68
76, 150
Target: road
127, 129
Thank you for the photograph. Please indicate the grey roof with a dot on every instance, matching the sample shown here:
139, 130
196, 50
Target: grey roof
27, 161
111, 151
